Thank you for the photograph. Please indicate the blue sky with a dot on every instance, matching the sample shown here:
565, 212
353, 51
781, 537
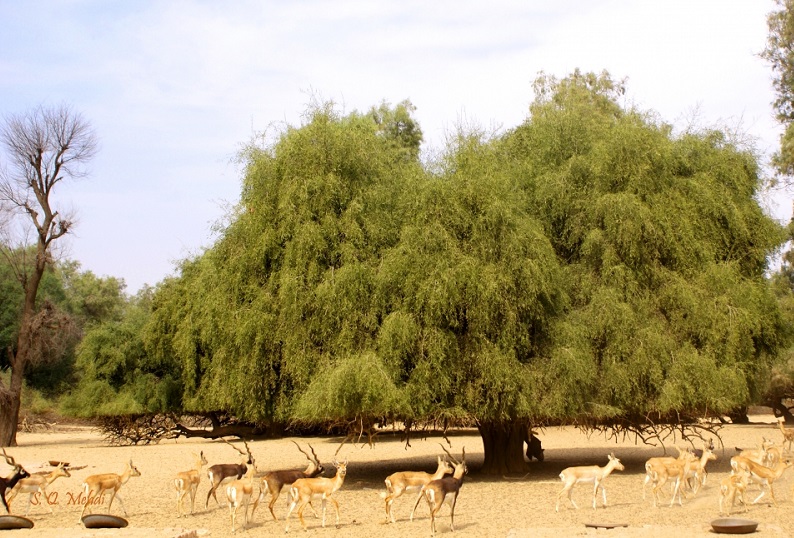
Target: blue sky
175, 88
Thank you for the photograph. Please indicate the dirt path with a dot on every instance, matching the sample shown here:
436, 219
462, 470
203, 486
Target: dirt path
517, 507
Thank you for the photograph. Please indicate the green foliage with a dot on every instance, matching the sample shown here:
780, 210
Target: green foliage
780, 43
666, 252
354, 386
76, 299
118, 376
588, 264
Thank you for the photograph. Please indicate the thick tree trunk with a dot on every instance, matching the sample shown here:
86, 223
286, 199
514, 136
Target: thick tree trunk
504, 447
10, 398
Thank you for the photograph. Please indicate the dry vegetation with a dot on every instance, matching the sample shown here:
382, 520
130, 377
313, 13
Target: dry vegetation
514, 506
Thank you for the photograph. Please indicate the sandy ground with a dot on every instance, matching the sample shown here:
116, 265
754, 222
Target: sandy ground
511, 507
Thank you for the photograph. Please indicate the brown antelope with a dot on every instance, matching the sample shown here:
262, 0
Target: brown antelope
239, 493
37, 484
400, 482
788, 433
304, 489
652, 463
760, 474
678, 469
223, 472
588, 473
697, 472
17, 474
95, 485
187, 482
274, 481
445, 489
758, 455
732, 486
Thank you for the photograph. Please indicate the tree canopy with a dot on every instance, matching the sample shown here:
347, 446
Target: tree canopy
589, 265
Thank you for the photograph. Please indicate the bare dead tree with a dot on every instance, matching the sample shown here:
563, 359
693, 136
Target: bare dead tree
41, 149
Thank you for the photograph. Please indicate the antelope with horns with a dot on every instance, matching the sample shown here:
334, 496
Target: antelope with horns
223, 472
274, 481
17, 474
187, 482
400, 482
444, 490
37, 484
304, 490
95, 485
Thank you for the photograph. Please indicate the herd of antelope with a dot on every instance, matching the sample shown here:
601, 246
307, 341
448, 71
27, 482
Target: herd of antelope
686, 474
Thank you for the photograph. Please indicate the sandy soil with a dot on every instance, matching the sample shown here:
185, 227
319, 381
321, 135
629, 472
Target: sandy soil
512, 507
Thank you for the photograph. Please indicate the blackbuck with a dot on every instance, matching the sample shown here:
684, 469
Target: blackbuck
588, 473
788, 433
223, 472
274, 481
187, 482
652, 464
699, 451
403, 481
732, 487
445, 490
696, 474
17, 474
238, 493
95, 485
758, 455
304, 490
764, 476
37, 484
661, 471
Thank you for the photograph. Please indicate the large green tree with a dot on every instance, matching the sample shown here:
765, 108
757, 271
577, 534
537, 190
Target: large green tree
665, 250
589, 264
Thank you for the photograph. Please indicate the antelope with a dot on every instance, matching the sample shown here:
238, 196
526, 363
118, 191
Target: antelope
239, 494
17, 474
660, 472
37, 483
588, 473
400, 482
758, 455
304, 489
699, 451
95, 485
274, 481
445, 489
223, 472
187, 482
762, 475
732, 486
788, 433
697, 470
654, 462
